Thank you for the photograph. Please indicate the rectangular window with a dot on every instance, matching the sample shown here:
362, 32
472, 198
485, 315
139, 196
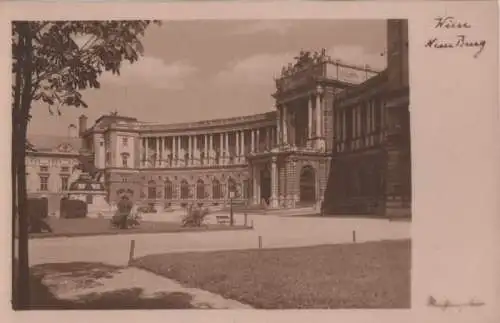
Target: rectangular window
44, 183
89, 199
64, 183
125, 141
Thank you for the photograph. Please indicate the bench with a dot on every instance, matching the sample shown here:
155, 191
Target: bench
222, 219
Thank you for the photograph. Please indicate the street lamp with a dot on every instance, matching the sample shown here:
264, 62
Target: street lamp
231, 215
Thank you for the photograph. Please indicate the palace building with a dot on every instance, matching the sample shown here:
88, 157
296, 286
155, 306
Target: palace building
370, 171
337, 139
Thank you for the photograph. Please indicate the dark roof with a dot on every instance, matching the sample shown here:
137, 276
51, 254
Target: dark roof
46, 143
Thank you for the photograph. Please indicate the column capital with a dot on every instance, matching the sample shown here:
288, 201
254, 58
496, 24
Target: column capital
319, 90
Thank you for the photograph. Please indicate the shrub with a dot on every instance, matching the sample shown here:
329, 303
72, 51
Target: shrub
195, 217
38, 208
72, 209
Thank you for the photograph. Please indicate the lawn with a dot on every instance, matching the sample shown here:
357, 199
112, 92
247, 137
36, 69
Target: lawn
364, 275
101, 226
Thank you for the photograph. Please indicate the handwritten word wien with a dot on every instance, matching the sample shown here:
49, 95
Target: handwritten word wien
460, 41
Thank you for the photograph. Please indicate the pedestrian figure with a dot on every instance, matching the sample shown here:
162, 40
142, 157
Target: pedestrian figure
124, 208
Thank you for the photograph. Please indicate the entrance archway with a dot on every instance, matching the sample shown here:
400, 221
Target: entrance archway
265, 185
307, 185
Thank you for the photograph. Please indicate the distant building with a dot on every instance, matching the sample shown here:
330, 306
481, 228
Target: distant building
50, 166
338, 138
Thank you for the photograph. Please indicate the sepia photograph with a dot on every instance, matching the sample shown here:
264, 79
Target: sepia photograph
211, 164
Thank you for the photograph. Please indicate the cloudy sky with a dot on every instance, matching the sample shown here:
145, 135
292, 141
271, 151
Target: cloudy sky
194, 70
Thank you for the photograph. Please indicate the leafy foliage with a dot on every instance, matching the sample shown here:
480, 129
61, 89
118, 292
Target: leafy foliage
195, 217
70, 56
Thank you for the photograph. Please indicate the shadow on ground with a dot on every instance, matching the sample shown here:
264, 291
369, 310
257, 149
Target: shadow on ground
81, 275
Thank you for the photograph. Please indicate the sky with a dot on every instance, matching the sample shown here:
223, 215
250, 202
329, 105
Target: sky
195, 70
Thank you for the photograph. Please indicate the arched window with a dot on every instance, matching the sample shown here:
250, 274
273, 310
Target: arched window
307, 184
216, 190
184, 190
151, 190
168, 190
200, 189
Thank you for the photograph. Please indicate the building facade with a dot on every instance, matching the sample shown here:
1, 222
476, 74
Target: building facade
370, 171
279, 159
337, 139
50, 166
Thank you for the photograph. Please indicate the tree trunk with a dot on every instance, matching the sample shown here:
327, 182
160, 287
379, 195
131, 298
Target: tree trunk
21, 113
14, 162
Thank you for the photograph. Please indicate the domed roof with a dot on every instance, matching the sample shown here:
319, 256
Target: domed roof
86, 183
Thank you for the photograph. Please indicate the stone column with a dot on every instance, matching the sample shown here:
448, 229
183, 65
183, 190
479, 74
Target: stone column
278, 126
267, 138
319, 132
205, 149
195, 150
180, 152
344, 125
190, 150
309, 118
221, 148
211, 149
226, 161
252, 140
274, 183
157, 157
284, 119
242, 137
257, 134
141, 152
237, 152
175, 153
161, 156
169, 149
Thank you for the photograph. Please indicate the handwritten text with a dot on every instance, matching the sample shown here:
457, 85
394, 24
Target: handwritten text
457, 41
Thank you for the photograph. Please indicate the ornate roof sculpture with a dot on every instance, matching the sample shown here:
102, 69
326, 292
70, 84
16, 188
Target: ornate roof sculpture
304, 60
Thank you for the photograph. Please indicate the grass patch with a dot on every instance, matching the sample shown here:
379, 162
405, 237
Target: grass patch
364, 275
101, 226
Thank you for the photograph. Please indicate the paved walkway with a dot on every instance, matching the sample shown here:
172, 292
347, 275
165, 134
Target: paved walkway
131, 285
275, 231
